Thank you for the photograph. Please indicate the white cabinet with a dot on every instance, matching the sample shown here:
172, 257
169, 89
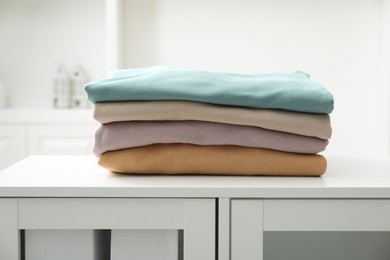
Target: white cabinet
12, 144
60, 139
344, 214
303, 223
195, 217
50, 132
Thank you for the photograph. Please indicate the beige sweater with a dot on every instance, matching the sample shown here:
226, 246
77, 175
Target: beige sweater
314, 125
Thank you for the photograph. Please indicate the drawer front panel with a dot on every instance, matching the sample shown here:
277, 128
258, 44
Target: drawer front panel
100, 213
327, 215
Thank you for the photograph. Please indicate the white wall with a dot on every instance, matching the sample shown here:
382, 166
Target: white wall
337, 42
36, 35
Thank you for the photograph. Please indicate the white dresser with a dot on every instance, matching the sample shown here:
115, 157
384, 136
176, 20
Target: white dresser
217, 217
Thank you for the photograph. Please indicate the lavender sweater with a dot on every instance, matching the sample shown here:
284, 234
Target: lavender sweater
122, 135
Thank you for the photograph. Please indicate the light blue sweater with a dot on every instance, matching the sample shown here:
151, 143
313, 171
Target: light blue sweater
288, 91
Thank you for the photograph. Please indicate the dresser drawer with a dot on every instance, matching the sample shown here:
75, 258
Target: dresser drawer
327, 215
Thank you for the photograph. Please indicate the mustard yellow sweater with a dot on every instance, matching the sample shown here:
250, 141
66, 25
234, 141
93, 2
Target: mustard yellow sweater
211, 159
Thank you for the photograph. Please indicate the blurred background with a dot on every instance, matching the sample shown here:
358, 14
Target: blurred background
48, 44
344, 45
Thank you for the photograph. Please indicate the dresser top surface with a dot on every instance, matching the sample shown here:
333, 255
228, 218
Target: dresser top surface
80, 176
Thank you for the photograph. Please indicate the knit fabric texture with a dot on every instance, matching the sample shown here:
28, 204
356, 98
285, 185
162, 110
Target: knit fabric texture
222, 160
122, 135
288, 91
307, 124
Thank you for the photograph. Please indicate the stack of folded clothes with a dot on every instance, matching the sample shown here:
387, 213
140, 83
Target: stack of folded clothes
163, 120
